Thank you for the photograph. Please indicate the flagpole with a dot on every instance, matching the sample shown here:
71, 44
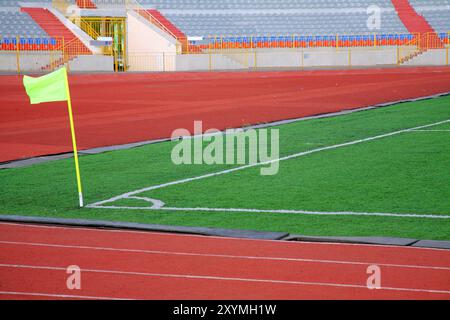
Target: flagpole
74, 142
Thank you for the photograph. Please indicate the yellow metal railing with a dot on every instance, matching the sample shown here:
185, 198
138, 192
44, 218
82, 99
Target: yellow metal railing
86, 27
220, 43
298, 59
139, 9
38, 54
111, 27
17, 58
422, 43
64, 5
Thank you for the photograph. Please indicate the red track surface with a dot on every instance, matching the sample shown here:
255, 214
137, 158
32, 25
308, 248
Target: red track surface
122, 108
138, 265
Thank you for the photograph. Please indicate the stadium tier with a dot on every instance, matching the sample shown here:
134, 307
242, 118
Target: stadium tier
436, 12
14, 22
261, 4
18, 3
249, 17
202, 18
405, 28
263, 23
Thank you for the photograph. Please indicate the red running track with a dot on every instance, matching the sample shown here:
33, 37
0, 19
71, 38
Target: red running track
140, 265
115, 109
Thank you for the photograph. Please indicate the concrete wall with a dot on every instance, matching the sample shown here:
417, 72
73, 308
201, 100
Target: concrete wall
232, 60
435, 57
288, 58
35, 61
152, 62
28, 62
92, 63
149, 48
374, 57
144, 37
188, 62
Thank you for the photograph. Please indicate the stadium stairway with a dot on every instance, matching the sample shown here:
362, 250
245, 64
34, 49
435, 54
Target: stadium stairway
163, 23
72, 46
415, 23
166, 23
86, 4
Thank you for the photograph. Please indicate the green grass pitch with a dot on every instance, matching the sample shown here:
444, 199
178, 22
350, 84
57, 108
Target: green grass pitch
407, 173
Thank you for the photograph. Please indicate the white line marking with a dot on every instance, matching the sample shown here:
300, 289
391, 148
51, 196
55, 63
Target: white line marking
52, 295
217, 278
156, 204
222, 239
402, 215
99, 204
226, 256
431, 130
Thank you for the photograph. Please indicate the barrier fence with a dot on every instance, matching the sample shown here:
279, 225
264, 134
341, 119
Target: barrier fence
229, 42
111, 27
43, 54
267, 58
38, 54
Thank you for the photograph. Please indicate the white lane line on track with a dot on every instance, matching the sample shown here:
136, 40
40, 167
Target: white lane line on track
202, 237
54, 295
225, 256
216, 278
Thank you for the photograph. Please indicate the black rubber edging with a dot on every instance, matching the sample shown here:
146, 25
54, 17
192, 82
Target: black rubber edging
204, 231
388, 241
384, 241
19, 163
226, 233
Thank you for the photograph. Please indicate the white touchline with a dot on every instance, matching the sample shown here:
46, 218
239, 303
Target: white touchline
218, 278
380, 214
156, 206
431, 130
225, 256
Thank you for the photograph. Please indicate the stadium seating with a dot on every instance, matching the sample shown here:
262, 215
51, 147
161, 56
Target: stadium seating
322, 20
259, 4
436, 12
86, 4
19, 23
281, 23
35, 29
16, 3
274, 17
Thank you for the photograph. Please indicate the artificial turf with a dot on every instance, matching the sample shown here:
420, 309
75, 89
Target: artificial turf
406, 173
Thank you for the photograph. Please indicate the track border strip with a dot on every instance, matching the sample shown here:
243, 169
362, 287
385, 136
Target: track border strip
19, 163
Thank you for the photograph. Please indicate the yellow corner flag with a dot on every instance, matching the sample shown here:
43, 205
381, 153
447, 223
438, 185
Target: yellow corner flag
55, 87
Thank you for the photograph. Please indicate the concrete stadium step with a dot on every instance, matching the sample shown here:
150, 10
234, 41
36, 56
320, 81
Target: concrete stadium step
166, 23
55, 28
86, 4
414, 22
72, 47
